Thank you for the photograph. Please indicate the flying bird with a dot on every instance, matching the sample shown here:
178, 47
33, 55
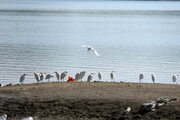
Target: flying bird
22, 78
89, 48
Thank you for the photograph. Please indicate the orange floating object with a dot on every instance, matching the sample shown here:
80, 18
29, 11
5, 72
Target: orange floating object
70, 79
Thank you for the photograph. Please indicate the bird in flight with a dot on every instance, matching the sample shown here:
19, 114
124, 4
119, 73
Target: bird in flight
89, 48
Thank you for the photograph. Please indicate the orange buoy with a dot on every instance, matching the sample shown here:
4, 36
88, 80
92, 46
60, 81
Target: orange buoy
70, 79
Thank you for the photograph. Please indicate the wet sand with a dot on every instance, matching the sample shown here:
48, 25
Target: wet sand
101, 100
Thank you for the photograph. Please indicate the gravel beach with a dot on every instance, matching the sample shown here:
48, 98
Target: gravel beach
89, 101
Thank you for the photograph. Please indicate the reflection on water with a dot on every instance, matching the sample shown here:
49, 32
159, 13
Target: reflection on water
129, 42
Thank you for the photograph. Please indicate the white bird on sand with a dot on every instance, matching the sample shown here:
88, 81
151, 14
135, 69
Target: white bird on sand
153, 78
141, 77
27, 118
82, 74
91, 48
63, 75
42, 76
128, 109
57, 75
22, 78
112, 75
36, 75
49, 76
3, 117
174, 78
90, 77
99, 75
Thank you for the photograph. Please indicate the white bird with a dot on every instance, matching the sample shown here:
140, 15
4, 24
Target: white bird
141, 77
22, 78
128, 109
27, 118
57, 75
112, 75
3, 117
49, 76
153, 78
99, 75
63, 75
91, 48
82, 74
90, 77
36, 77
174, 78
42, 76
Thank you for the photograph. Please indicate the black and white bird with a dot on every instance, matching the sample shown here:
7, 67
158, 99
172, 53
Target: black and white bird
22, 78
99, 75
63, 75
49, 76
42, 76
174, 78
153, 78
91, 48
36, 76
141, 77
90, 77
57, 75
112, 75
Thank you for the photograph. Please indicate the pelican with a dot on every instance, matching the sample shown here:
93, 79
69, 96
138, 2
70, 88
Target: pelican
78, 76
57, 75
153, 78
42, 76
141, 77
49, 76
99, 75
174, 78
91, 48
22, 78
4, 117
36, 77
27, 118
90, 77
112, 75
63, 75
82, 74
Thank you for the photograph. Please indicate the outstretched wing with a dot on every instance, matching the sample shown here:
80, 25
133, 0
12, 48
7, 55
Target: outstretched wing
95, 52
84, 46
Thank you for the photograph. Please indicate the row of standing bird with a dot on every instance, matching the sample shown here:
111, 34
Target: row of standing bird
79, 76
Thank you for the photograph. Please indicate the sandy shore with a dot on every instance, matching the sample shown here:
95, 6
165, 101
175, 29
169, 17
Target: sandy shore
88, 101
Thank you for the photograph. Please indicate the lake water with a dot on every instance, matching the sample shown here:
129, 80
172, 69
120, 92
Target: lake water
131, 38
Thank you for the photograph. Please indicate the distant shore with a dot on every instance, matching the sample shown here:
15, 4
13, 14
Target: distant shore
101, 100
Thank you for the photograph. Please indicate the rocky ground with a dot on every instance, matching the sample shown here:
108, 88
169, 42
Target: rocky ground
100, 100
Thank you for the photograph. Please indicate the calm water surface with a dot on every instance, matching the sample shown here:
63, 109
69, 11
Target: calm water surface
131, 37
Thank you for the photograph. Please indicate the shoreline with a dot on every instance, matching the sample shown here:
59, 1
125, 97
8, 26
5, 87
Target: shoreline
96, 100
